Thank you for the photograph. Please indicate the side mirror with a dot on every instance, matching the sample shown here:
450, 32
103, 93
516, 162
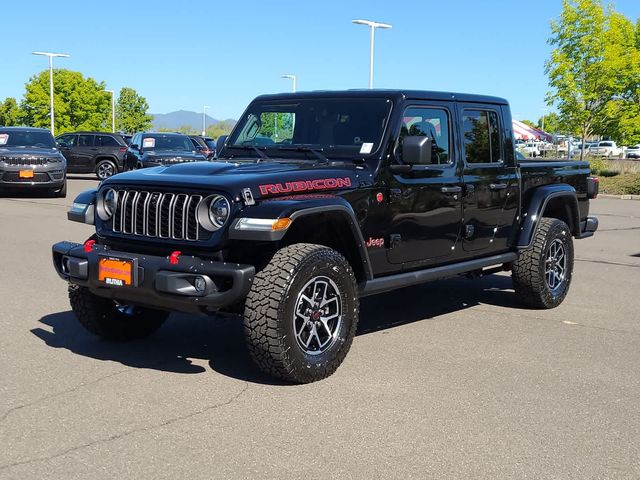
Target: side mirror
417, 150
222, 139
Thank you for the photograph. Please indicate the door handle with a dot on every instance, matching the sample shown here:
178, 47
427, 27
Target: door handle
451, 189
498, 186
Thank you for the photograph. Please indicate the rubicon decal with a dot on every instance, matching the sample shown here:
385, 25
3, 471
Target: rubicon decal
305, 185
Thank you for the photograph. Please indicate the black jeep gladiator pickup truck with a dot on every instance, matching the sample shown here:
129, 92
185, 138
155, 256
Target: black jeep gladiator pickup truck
317, 199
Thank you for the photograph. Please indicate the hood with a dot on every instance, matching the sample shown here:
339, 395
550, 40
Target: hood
162, 154
265, 179
29, 152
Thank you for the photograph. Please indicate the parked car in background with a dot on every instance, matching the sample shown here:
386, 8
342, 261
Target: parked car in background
93, 152
127, 138
204, 145
633, 152
150, 149
531, 149
575, 152
29, 159
606, 148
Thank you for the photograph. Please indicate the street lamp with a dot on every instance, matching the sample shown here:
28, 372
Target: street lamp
292, 77
204, 120
373, 26
113, 110
51, 55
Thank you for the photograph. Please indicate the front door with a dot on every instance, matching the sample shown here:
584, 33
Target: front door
425, 202
490, 180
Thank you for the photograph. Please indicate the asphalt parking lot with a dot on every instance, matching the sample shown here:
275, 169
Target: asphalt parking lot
447, 380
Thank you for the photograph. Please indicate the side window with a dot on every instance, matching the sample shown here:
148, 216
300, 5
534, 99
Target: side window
106, 141
136, 140
427, 122
66, 140
481, 136
85, 140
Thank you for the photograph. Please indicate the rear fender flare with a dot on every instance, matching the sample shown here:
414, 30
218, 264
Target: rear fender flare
537, 206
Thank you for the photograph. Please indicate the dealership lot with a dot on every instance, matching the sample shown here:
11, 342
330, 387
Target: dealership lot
447, 380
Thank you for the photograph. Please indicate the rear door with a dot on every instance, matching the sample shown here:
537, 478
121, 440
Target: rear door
425, 203
108, 145
490, 179
82, 154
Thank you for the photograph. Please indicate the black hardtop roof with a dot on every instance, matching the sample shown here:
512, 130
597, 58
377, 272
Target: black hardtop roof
25, 129
391, 94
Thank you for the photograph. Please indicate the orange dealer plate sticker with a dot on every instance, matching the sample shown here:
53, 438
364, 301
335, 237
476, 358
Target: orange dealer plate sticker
26, 174
115, 271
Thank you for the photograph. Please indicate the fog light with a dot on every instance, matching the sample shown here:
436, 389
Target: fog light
200, 284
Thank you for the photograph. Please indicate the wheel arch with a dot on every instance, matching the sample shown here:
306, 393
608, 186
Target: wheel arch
555, 201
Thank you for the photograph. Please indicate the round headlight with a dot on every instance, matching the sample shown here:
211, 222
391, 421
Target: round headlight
107, 203
219, 209
110, 202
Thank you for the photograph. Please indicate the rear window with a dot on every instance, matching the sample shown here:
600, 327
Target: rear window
106, 141
17, 138
606, 144
167, 142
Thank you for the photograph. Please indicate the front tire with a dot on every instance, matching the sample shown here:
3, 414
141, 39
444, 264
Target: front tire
107, 319
301, 314
542, 274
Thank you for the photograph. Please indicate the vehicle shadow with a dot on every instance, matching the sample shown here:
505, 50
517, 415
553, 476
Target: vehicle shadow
219, 341
77, 176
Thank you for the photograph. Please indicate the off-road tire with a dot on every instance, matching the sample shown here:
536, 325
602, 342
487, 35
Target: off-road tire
528, 274
102, 317
269, 313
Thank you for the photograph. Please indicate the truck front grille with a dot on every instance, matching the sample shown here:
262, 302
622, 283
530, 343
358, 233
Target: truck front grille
160, 215
29, 160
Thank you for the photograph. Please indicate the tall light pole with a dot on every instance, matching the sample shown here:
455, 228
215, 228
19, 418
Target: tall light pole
51, 55
113, 110
544, 112
204, 120
373, 25
292, 77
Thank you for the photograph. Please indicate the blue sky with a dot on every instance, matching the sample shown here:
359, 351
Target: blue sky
223, 54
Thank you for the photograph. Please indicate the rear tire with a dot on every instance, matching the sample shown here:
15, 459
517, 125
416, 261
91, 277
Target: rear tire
301, 314
106, 169
105, 318
542, 274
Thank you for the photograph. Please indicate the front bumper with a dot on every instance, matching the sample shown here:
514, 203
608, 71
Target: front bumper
158, 283
52, 176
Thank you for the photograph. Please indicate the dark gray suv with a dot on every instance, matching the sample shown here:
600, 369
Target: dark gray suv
98, 152
29, 159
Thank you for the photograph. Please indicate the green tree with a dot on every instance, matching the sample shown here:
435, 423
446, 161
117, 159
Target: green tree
529, 122
551, 123
10, 112
221, 128
131, 112
584, 71
80, 103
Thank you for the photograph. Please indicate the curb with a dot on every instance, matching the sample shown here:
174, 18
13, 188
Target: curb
619, 197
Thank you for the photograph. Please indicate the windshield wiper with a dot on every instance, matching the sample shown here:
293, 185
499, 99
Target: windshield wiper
316, 151
260, 152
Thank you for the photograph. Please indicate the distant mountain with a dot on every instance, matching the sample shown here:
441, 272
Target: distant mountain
175, 120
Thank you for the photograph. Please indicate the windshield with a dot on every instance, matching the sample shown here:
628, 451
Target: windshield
338, 126
167, 142
26, 138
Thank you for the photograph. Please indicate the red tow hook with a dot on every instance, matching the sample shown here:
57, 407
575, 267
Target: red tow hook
88, 245
173, 258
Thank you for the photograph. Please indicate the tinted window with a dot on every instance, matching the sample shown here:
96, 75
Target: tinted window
211, 143
427, 122
106, 141
26, 138
606, 144
85, 141
481, 136
66, 140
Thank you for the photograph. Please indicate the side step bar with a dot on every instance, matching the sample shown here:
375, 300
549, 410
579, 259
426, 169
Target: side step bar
400, 280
